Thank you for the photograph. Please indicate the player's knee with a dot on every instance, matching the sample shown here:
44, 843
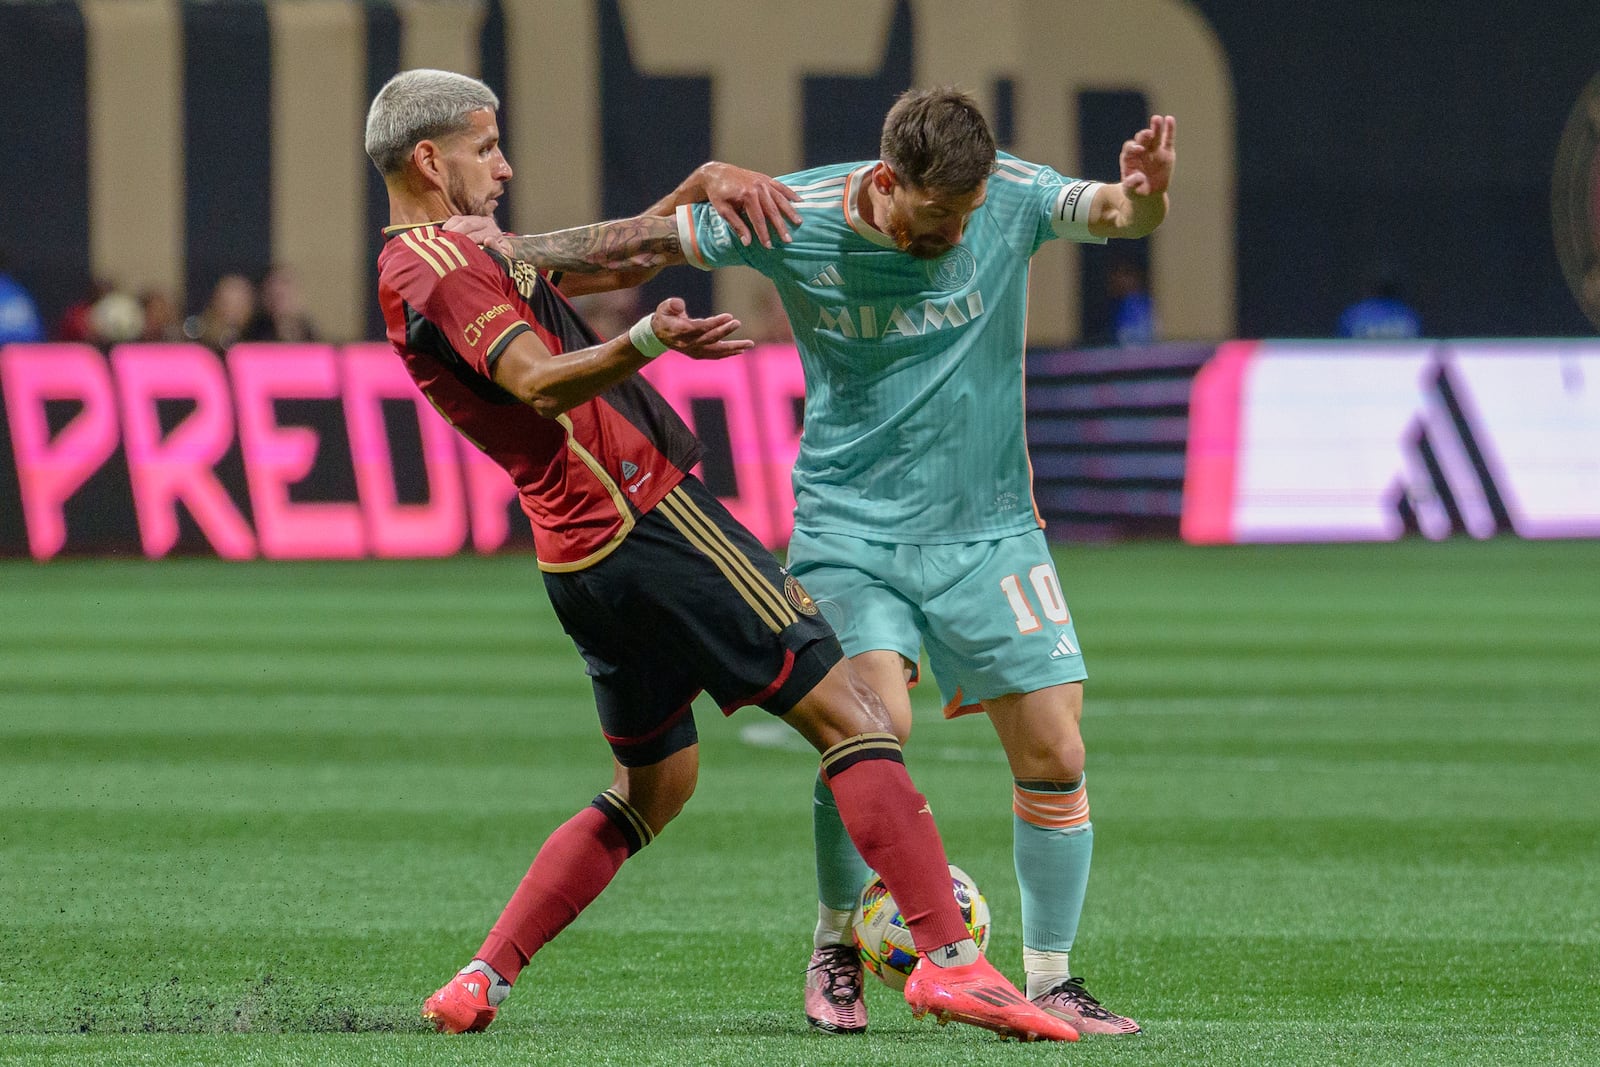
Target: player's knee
660, 808
1060, 763
657, 793
841, 706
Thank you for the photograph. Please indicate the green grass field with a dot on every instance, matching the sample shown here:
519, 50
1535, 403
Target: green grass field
1346, 799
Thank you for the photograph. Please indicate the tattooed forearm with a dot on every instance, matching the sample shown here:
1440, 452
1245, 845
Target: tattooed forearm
641, 243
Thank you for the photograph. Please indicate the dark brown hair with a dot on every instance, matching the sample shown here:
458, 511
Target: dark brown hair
937, 139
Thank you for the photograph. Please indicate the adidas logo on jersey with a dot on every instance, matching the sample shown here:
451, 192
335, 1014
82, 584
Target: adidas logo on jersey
829, 276
1063, 647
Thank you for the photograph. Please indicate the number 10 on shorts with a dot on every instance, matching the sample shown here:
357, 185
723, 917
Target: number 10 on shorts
1046, 588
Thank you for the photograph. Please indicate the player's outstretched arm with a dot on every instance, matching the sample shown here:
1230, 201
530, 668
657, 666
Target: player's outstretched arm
628, 252
642, 243
737, 195
591, 259
1137, 204
552, 383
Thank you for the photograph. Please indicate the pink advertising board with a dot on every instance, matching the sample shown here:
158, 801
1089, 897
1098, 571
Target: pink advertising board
309, 452
1325, 441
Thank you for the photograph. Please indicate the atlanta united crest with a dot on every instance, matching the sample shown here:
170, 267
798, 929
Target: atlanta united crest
798, 596
1575, 201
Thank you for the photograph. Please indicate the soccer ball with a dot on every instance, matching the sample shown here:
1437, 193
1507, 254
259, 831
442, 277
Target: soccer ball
884, 939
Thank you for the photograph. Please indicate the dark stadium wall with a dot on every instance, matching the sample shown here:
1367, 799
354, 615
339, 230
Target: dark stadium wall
167, 141
43, 118
227, 143
1420, 135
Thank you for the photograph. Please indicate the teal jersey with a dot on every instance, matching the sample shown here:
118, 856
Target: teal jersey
914, 428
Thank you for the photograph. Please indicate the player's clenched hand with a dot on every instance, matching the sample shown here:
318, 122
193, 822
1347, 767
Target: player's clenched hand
1148, 159
482, 229
696, 338
736, 193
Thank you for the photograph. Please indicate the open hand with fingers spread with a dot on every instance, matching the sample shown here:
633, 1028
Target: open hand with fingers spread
1148, 159
696, 338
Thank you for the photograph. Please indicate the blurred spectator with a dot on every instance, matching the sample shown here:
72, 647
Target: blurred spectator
610, 314
222, 323
1133, 313
282, 312
19, 316
74, 322
162, 323
115, 318
1381, 313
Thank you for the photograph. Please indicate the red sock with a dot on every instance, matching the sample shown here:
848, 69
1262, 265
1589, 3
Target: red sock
889, 821
574, 865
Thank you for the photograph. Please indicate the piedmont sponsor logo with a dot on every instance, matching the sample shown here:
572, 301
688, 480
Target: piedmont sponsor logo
869, 322
474, 330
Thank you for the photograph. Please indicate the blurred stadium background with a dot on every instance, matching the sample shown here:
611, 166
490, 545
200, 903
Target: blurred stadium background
265, 619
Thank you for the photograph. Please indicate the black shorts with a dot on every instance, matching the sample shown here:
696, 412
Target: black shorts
689, 602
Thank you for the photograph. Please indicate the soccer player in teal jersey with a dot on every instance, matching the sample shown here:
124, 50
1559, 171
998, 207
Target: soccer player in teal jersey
906, 287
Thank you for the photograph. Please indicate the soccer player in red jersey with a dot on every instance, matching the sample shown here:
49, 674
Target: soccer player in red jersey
663, 592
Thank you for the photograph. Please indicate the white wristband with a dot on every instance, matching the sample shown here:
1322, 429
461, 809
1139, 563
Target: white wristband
644, 338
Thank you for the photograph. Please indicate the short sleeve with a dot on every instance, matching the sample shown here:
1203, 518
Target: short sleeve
706, 239
1041, 204
458, 288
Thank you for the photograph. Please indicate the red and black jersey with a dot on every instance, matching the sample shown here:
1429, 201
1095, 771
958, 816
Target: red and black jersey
585, 476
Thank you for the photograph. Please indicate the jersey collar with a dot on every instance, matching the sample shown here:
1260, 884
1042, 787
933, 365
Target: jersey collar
390, 231
852, 211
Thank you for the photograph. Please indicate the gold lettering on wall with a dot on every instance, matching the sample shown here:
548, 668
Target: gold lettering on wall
757, 112
1050, 49
442, 34
318, 181
1164, 49
551, 122
136, 160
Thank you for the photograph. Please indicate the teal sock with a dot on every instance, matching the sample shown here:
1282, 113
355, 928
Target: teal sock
1053, 874
841, 872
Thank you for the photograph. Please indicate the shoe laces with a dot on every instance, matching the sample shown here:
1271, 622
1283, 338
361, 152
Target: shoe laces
1072, 991
839, 970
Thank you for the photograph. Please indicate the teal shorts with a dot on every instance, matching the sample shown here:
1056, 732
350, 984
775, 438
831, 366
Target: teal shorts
990, 613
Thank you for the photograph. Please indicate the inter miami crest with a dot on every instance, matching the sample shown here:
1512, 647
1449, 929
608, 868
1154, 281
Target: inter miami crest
952, 271
1575, 201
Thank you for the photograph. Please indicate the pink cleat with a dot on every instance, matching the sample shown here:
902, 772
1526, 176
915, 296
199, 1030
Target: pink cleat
834, 1003
1070, 1001
461, 1006
980, 995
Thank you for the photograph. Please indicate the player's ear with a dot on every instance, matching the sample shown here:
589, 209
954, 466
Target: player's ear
884, 178
429, 161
